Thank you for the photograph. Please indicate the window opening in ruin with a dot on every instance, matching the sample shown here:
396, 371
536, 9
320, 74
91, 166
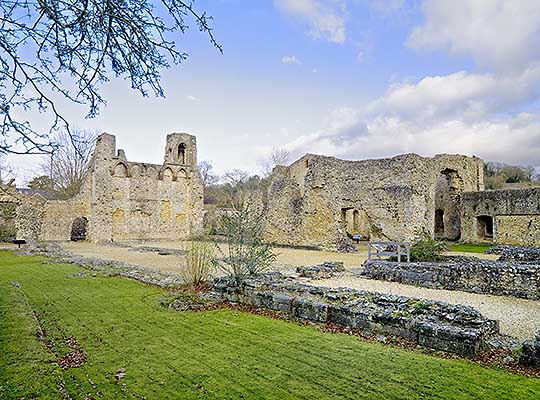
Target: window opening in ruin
78, 229
485, 227
439, 223
121, 170
182, 153
306, 162
355, 221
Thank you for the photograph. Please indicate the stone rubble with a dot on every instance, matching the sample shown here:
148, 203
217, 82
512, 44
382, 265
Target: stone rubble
328, 269
530, 352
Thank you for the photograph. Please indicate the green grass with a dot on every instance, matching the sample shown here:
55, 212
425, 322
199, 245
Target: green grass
218, 354
470, 248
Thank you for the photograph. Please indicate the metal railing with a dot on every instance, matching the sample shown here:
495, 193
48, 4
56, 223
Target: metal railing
389, 249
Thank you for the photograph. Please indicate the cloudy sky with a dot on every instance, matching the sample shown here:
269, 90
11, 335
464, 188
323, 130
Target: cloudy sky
351, 78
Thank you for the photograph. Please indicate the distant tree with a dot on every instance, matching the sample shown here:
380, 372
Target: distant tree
53, 49
277, 157
43, 182
67, 165
496, 175
209, 181
234, 185
4, 170
207, 176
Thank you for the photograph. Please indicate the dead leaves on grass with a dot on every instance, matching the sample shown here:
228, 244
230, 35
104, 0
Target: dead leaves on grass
75, 358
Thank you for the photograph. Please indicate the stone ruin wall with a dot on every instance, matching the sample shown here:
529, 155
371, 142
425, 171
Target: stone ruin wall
318, 200
122, 200
502, 216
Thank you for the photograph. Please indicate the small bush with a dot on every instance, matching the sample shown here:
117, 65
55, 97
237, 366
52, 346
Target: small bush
247, 253
428, 249
199, 264
7, 232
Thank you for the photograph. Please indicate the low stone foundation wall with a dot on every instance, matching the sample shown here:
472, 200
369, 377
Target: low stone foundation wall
517, 253
462, 273
435, 325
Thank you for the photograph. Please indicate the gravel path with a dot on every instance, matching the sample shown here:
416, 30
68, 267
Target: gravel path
517, 317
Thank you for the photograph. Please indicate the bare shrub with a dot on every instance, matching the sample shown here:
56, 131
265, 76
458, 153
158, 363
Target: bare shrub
247, 254
199, 264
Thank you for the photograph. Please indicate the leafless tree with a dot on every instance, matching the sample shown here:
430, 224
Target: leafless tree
67, 165
6, 172
277, 157
52, 49
207, 176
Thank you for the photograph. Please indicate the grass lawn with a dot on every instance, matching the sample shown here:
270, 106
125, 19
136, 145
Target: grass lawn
215, 354
470, 248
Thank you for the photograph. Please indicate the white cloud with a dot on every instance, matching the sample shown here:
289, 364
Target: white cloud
326, 18
470, 96
500, 34
515, 140
291, 60
387, 7
193, 98
475, 114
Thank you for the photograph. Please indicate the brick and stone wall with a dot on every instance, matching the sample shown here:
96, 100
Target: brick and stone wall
514, 216
123, 200
435, 325
467, 274
319, 200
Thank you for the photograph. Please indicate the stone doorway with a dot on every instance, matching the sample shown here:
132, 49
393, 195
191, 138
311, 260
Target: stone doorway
439, 224
447, 205
78, 229
484, 226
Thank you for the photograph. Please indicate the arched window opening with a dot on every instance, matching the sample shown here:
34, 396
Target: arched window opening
120, 170
78, 229
181, 153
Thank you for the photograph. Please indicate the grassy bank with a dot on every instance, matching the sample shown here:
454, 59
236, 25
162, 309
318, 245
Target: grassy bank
215, 354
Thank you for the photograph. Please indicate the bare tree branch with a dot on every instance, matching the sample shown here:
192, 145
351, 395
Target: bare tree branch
51, 49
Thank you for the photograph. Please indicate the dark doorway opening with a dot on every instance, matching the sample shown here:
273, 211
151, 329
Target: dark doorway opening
484, 224
78, 229
439, 224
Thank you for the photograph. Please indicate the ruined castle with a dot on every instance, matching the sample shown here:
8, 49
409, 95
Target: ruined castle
316, 201
323, 201
124, 200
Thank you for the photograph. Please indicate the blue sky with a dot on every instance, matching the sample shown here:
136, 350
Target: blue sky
350, 78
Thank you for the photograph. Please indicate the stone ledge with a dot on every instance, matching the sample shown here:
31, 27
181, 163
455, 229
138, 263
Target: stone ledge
435, 325
462, 273
327, 269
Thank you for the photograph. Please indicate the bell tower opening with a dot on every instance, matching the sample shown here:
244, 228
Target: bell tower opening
181, 154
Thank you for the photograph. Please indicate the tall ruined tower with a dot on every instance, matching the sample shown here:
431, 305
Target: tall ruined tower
181, 149
100, 188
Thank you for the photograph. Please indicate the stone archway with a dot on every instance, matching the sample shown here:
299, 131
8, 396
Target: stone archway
78, 229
